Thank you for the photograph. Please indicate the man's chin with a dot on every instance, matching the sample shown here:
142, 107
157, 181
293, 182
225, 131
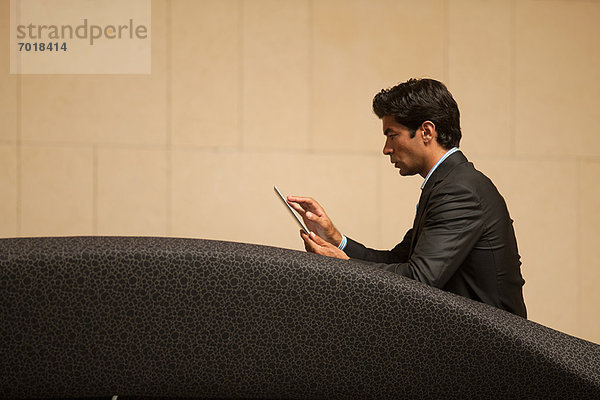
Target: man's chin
404, 172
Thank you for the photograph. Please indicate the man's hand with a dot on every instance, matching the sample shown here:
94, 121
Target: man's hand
316, 219
315, 244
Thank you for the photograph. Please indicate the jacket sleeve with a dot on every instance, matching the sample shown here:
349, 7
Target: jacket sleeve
453, 223
398, 254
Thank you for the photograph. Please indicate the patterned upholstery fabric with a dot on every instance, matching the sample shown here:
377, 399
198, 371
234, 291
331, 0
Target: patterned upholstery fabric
167, 317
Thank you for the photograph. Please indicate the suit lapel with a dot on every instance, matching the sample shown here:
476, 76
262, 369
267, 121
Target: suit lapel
438, 176
417, 224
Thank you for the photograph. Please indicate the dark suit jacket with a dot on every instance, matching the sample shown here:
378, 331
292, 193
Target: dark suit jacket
462, 239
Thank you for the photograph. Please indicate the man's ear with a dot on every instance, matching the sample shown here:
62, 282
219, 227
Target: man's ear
428, 131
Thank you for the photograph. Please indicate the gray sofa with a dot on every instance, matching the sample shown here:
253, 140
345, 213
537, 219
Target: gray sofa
166, 317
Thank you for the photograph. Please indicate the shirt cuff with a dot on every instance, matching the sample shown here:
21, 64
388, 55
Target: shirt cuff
343, 243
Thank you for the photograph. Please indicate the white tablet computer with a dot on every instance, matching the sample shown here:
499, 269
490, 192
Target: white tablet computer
298, 219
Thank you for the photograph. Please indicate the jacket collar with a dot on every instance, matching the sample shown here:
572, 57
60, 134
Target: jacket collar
444, 169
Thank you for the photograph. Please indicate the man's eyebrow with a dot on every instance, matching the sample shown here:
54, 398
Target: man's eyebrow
388, 130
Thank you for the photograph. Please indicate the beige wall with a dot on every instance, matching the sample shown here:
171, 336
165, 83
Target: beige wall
247, 94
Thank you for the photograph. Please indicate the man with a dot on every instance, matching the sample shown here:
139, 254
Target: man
462, 239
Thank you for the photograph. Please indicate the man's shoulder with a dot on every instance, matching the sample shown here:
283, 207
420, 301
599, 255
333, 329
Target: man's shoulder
467, 170
458, 173
465, 175
458, 167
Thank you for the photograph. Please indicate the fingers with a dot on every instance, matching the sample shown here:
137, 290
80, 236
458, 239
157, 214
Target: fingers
318, 240
300, 199
307, 204
313, 243
309, 245
309, 208
297, 207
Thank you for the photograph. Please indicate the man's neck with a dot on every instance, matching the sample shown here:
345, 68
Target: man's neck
433, 159
440, 160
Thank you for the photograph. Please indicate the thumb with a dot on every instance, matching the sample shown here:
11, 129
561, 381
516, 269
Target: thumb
318, 240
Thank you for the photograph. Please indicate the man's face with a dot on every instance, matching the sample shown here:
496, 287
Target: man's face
405, 153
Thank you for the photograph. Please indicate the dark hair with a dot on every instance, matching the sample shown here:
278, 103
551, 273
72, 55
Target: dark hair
418, 100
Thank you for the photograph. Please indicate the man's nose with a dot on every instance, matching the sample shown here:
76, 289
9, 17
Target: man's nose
387, 150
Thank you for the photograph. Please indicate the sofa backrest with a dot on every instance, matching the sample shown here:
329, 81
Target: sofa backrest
169, 317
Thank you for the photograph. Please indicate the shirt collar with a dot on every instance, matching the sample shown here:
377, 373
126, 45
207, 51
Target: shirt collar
441, 160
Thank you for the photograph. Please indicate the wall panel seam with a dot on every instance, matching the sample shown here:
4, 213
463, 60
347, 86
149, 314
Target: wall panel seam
311, 80
169, 116
578, 252
446, 45
95, 191
241, 141
19, 171
513, 80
